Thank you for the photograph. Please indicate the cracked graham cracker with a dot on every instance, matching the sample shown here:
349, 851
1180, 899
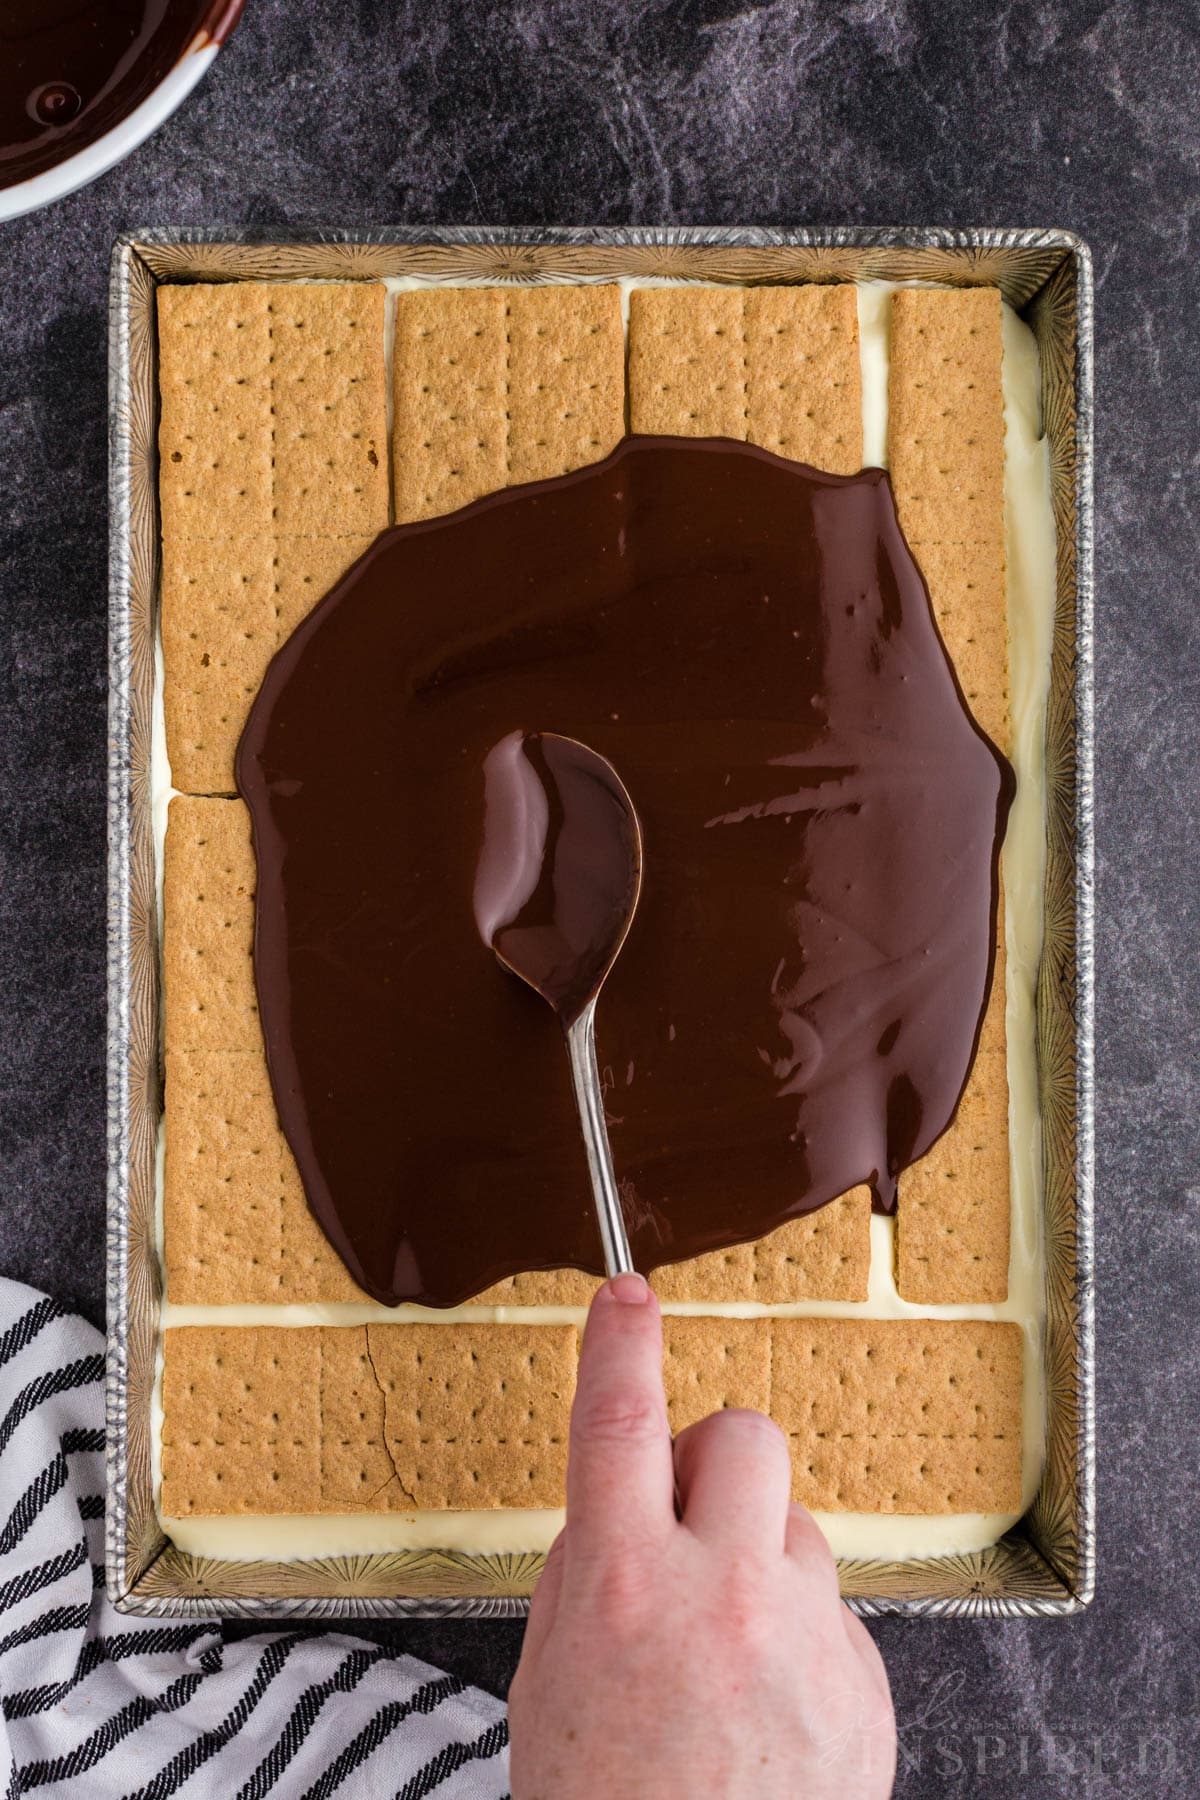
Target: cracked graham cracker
946, 454
774, 366
497, 386
266, 1419
881, 1415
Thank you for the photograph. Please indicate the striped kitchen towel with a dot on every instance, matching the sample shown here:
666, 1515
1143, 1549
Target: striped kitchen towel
101, 1705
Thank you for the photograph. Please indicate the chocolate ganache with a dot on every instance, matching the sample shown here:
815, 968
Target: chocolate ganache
795, 1011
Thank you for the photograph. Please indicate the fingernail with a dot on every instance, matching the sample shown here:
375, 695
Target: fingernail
629, 1290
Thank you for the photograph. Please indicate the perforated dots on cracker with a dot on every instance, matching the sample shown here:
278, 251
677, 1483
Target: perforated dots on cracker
710, 1364
236, 1225
900, 1415
215, 468
778, 367
496, 386
823, 1255
328, 407
208, 910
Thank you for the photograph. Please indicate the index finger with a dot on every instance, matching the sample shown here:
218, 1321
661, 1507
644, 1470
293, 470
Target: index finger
620, 1471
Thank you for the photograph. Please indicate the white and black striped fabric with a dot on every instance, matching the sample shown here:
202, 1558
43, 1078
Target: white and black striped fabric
99, 1704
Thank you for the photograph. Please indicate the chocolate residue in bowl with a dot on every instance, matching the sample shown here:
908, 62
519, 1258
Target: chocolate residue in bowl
70, 70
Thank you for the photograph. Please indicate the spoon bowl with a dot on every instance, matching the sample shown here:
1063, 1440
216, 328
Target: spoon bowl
556, 890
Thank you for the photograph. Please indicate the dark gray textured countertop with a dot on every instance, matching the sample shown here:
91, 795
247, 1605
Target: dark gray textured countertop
648, 111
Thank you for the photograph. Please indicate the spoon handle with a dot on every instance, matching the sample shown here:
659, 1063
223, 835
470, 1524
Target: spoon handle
581, 1047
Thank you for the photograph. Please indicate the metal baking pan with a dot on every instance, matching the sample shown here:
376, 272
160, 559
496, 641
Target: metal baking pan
1045, 1565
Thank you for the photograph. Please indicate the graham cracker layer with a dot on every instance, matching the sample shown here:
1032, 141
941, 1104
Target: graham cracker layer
379, 1418
916, 1416
497, 386
946, 452
493, 387
774, 366
551, 361
273, 480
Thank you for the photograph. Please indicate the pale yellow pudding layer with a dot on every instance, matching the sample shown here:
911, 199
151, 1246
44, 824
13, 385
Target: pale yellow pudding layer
1030, 533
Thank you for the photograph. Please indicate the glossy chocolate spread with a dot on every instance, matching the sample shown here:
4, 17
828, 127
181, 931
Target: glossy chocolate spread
796, 1008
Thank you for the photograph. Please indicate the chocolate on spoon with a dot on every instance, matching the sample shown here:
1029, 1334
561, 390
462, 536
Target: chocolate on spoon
557, 885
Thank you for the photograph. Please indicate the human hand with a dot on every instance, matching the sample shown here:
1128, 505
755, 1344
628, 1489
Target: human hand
673, 1656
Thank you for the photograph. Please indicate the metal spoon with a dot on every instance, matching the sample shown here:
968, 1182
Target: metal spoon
556, 889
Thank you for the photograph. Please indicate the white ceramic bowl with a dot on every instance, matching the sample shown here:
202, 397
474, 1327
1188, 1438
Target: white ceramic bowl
95, 159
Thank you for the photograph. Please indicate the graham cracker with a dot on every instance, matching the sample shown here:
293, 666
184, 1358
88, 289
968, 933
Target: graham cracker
273, 414
541, 1287
946, 414
774, 366
228, 604
497, 386
954, 1207
329, 401
946, 457
214, 437
209, 880
900, 1415
268, 1419
236, 1225
946, 454
709, 1364
824, 1255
